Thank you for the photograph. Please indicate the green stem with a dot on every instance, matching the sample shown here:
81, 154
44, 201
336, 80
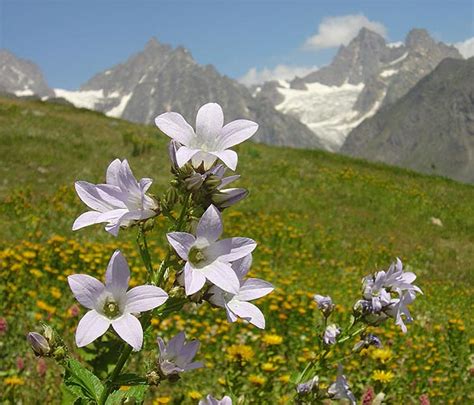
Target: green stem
145, 321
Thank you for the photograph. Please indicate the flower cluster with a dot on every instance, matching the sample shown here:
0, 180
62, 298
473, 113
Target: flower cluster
386, 294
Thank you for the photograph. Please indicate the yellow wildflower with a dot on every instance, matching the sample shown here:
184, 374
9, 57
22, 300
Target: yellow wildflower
257, 379
14, 381
272, 339
240, 353
383, 376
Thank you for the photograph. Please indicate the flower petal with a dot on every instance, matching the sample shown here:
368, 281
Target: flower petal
205, 158
85, 219
248, 311
254, 288
229, 157
227, 180
112, 172
236, 132
127, 181
176, 343
89, 195
193, 280
145, 297
209, 121
90, 327
240, 247
86, 289
184, 154
231, 317
222, 275
117, 275
188, 351
210, 225
181, 242
175, 126
129, 329
242, 266
145, 184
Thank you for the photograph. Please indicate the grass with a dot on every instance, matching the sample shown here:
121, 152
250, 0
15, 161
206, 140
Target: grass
322, 221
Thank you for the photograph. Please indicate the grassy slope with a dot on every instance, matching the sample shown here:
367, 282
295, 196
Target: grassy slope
321, 220
44, 146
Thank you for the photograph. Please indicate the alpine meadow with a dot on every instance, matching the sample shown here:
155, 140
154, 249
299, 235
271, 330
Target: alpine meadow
319, 223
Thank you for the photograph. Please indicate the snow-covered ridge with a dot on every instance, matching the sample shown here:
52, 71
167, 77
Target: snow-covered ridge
326, 110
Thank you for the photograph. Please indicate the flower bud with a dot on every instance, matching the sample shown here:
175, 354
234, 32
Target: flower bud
153, 378
49, 334
213, 181
170, 198
228, 197
194, 182
325, 304
38, 343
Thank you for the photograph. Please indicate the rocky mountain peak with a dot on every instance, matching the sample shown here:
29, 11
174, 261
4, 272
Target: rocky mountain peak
419, 38
21, 77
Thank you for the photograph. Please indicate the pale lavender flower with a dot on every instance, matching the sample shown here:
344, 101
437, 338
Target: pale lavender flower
398, 309
330, 334
308, 386
119, 202
325, 304
225, 197
112, 304
210, 400
367, 341
177, 356
340, 389
237, 305
208, 258
211, 140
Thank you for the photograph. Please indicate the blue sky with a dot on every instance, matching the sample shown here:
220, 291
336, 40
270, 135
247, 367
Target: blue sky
72, 40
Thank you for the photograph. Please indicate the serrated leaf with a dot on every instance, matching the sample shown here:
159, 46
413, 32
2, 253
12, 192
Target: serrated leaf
118, 397
79, 376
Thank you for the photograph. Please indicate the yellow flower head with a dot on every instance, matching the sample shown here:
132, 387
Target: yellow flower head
257, 379
14, 381
383, 376
194, 394
272, 339
240, 353
381, 355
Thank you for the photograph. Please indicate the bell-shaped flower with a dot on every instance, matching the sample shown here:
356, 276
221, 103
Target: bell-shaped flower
177, 356
210, 400
325, 304
237, 305
112, 304
399, 310
330, 334
211, 140
308, 387
119, 202
340, 389
208, 258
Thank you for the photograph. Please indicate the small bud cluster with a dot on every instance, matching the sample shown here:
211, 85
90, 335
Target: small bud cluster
48, 344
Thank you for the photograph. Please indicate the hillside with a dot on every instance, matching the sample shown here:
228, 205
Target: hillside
431, 129
321, 221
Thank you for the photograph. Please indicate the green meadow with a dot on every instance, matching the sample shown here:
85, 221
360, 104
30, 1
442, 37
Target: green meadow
321, 221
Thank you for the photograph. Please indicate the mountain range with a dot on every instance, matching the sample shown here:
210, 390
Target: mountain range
365, 75
330, 108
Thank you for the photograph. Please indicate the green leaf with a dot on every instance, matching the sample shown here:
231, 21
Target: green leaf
119, 397
78, 376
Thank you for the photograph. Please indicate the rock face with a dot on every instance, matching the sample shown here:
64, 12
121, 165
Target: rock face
21, 77
430, 129
366, 74
161, 78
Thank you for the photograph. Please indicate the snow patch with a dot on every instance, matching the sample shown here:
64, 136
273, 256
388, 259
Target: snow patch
388, 72
117, 111
395, 44
24, 93
394, 62
81, 99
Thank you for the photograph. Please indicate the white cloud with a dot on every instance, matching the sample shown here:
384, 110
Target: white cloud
466, 48
336, 31
279, 72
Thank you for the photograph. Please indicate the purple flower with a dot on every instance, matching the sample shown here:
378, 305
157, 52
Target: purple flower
237, 305
210, 400
177, 355
308, 386
340, 389
398, 310
206, 257
112, 304
330, 334
367, 341
210, 141
119, 202
325, 304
